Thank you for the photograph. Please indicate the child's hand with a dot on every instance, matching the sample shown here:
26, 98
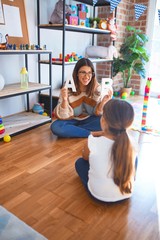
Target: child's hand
97, 134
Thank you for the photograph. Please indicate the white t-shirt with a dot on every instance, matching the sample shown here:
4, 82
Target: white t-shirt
100, 183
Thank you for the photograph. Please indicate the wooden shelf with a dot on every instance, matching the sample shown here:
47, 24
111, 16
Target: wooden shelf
12, 52
98, 3
23, 121
94, 60
15, 89
55, 93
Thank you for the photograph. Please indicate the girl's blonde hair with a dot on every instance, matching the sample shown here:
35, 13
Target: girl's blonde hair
119, 115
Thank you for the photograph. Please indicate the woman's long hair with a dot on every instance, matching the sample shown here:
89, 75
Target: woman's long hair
93, 83
119, 115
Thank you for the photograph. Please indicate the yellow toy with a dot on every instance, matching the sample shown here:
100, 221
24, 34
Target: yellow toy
124, 95
6, 138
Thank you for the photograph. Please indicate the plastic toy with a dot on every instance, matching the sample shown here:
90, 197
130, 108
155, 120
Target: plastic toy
4, 45
38, 108
116, 93
124, 95
68, 58
132, 93
2, 128
158, 99
145, 105
6, 138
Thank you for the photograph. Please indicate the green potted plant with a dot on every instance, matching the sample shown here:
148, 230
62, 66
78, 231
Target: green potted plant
133, 56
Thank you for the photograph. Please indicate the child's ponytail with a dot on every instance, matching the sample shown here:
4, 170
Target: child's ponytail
119, 116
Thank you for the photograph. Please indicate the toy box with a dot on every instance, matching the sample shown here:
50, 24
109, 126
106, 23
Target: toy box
73, 20
82, 15
81, 7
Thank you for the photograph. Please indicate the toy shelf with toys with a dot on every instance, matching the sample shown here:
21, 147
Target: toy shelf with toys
78, 17
25, 120
59, 62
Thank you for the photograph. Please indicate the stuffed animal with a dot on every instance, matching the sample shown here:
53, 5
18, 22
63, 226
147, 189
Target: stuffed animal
38, 108
112, 26
57, 15
101, 52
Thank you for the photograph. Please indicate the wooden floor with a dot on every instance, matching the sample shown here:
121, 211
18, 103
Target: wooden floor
38, 184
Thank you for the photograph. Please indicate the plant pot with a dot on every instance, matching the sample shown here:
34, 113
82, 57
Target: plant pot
126, 90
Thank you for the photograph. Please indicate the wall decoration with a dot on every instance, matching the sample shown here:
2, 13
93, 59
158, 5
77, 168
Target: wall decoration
139, 10
159, 15
1, 14
14, 14
114, 4
94, 2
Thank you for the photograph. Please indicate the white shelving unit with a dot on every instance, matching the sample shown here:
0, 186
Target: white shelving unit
26, 120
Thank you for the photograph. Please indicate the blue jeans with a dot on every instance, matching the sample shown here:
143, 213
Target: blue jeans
76, 128
82, 168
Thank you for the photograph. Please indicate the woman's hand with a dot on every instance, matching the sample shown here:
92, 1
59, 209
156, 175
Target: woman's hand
64, 96
105, 99
64, 93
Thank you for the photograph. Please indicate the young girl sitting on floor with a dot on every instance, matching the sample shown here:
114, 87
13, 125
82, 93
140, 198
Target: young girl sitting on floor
109, 174
78, 113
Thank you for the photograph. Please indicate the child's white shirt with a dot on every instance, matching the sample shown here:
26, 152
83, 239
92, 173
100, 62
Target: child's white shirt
100, 183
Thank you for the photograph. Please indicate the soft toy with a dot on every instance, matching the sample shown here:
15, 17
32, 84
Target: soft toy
57, 15
112, 27
38, 108
101, 52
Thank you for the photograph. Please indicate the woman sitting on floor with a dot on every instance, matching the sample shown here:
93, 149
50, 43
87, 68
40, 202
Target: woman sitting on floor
78, 113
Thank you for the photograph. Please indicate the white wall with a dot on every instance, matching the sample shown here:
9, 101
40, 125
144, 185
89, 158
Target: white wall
10, 66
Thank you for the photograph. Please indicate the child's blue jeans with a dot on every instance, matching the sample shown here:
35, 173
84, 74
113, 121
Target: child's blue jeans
76, 128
